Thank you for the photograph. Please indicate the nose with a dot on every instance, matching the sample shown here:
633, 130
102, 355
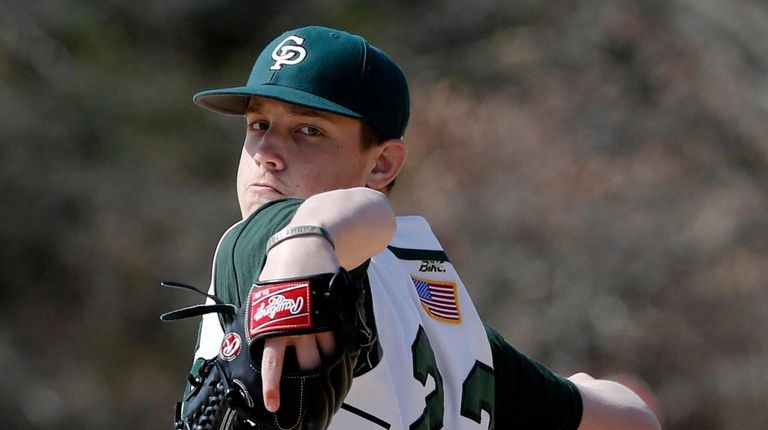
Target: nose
265, 150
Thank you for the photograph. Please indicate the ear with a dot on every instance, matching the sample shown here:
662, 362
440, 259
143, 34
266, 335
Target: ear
391, 158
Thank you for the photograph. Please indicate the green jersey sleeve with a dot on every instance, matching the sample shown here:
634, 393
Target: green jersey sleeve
528, 395
242, 252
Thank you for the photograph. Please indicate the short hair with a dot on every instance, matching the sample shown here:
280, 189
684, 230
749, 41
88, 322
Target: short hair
370, 136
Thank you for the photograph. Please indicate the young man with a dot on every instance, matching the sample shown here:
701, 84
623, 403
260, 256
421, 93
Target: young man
325, 114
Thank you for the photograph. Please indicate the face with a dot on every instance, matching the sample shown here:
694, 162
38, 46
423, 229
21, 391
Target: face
293, 151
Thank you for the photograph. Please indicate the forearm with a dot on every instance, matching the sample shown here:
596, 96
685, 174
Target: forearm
609, 405
360, 221
361, 224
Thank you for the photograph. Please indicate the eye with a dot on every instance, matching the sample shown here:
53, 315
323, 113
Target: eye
258, 125
310, 131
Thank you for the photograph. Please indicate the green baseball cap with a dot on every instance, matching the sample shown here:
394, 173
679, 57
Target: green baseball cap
324, 69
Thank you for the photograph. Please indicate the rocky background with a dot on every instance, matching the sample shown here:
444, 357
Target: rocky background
597, 170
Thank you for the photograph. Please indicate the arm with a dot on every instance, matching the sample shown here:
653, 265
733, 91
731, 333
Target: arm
609, 405
361, 223
529, 395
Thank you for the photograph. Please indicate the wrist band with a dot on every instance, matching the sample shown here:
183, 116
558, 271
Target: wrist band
299, 230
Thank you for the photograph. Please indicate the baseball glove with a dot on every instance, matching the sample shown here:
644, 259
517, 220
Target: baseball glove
227, 391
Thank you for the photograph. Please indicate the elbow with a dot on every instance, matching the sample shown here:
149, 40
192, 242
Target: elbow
634, 416
610, 405
653, 423
640, 418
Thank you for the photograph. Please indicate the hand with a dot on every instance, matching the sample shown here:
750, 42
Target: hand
308, 353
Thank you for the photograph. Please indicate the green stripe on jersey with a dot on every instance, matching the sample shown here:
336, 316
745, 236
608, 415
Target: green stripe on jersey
418, 254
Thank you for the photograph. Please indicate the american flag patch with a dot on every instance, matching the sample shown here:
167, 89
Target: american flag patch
438, 299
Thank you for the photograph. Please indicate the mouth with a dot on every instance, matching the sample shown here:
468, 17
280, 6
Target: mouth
263, 188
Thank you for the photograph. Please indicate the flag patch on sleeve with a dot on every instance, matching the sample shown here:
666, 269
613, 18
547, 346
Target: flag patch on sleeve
438, 299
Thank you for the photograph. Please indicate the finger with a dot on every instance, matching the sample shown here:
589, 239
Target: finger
271, 369
306, 352
327, 343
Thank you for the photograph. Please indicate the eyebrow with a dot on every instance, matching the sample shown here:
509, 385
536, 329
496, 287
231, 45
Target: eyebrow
292, 109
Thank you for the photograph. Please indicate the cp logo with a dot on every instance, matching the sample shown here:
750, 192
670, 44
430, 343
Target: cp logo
289, 52
230, 346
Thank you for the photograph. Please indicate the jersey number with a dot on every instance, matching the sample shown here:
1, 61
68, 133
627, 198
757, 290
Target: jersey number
477, 392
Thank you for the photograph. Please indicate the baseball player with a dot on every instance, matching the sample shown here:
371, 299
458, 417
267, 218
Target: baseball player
326, 113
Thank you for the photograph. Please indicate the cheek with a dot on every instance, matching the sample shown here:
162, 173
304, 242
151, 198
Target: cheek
348, 173
341, 168
244, 169
321, 176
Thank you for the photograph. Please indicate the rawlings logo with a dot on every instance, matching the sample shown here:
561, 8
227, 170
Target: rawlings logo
288, 54
279, 303
230, 346
281, 306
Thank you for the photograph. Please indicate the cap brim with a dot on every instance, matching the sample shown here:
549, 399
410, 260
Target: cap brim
234, 101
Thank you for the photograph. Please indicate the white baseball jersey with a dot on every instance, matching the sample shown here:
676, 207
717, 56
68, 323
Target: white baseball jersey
435, 368
432, 341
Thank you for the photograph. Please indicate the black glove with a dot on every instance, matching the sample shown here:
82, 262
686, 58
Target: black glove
227, 392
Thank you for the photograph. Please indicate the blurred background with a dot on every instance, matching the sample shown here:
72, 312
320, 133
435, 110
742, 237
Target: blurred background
597, 171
